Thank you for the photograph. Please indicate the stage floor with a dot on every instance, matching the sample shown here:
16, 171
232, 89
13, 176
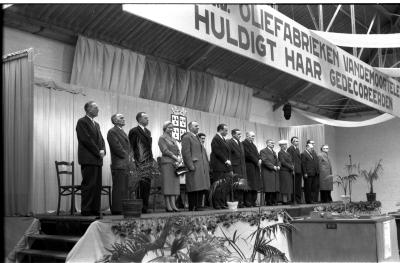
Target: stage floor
293, 210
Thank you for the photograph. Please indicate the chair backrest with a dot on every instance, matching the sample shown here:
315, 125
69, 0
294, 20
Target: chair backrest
65, 168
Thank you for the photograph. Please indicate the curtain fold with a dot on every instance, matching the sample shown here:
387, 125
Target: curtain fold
105, 67
18, 125
167, 83
231, 99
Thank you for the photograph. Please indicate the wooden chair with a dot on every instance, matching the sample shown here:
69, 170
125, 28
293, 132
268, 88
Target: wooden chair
66, 169
72, 189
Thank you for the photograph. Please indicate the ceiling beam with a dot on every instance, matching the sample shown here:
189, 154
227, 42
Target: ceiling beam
291, 95
321, 17
333, 17
312, 17
199, 56
369, 30
348, 15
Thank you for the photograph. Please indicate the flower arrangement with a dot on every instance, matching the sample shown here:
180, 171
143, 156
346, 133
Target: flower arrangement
188, 239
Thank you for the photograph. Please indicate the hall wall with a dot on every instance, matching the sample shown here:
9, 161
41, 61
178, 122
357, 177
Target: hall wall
367, 145
52, 59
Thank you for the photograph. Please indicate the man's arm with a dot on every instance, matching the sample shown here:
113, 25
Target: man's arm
187, 153
115, 144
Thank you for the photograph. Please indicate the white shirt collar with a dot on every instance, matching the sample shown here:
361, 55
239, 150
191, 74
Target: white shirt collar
221, 136
141, 126
90, 118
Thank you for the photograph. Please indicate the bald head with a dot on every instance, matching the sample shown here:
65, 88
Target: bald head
250, 136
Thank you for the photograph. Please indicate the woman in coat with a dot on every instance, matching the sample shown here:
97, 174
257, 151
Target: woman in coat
286, 172
325, 175
169, 160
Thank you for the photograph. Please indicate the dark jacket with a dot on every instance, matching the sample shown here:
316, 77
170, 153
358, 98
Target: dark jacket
237, 157
309, 165
269, 176
90, 142
296, 157
220, 153
119, 148
252, 169
140, 141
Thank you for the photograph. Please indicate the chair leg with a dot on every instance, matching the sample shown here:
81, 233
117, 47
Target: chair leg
109, 198
58, 205
73, 201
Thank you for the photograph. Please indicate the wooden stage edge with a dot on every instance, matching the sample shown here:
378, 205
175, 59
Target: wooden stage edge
293, 210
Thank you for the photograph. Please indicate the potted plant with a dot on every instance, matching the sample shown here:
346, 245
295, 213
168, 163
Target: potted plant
371, 176
132, 207
346, 180
229, 183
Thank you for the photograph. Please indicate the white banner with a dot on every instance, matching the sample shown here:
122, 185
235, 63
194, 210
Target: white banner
261, 33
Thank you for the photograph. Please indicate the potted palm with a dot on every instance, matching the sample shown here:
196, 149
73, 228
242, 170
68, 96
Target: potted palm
346, 180
371, 176
132, 207
228, 184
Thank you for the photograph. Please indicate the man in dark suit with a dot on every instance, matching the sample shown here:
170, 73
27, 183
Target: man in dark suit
253, 162
316, 160
238, 162
119, 148
140, 140
91, 150
310, 172
294, 151
220, 165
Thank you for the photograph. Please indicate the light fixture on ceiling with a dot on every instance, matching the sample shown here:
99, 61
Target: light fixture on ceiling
287, 111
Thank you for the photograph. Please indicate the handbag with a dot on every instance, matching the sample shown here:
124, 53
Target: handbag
180, 168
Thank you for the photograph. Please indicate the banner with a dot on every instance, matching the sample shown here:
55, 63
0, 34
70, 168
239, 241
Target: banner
261, 33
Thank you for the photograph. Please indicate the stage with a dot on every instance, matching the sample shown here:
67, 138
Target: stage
81, 232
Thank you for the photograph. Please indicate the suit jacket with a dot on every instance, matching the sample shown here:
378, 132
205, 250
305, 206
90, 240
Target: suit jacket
309, 166
168, 148
237, 157
90, 142
252, 169
269, 175
195, 159
119, 148
296, 157
325, 170
220, 153
140, 141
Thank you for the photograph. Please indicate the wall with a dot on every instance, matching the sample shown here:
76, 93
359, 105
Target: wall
261, 112
52, 59
367, 145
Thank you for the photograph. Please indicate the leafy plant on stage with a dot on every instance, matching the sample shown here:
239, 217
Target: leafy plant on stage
372, 175
262, 238
141, 173
355, 208
188, 239
348, 178
228, 184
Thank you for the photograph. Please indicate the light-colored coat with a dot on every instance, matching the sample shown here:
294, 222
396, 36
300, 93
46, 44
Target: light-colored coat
195, 159
325, 172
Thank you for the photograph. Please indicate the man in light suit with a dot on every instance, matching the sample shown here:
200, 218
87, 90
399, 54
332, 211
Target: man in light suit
220, 165
238, 162
294, 151
119, 148
91, 151
195, 159
140, 141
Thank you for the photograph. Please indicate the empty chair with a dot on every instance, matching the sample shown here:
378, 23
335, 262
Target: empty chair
66, 169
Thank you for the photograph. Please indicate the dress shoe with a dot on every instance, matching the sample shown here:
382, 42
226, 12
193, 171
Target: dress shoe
169, 211
176, 210
241, 206
145, 211
217, 207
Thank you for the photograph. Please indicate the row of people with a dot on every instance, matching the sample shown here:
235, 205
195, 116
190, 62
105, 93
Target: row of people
265, 171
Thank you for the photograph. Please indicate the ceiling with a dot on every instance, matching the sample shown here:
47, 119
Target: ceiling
108, 23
